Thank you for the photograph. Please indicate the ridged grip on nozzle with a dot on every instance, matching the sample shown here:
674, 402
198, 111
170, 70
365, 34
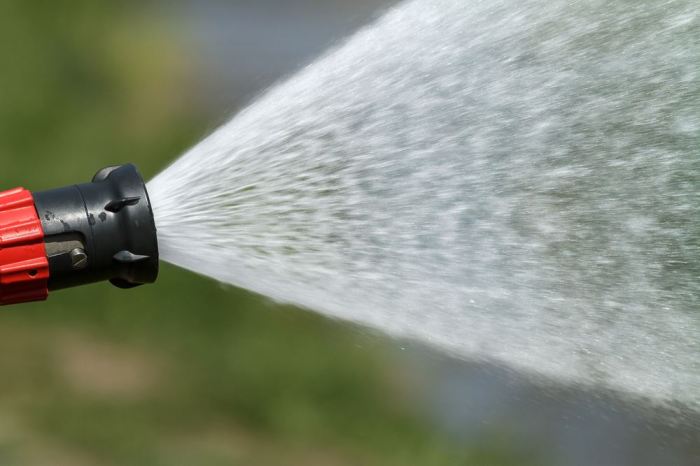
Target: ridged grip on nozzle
24, 268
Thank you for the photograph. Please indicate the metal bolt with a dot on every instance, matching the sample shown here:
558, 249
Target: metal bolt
79, 259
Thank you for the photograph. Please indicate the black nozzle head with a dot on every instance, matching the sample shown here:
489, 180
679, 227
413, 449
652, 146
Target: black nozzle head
103, 230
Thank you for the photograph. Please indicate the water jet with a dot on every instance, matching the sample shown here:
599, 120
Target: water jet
512, 182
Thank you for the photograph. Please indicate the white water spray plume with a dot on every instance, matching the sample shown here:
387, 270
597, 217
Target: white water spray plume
511, 181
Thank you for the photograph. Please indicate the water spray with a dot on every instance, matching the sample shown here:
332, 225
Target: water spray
76, 235
510, 182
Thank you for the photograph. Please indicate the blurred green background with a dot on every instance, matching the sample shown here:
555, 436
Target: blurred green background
187, 372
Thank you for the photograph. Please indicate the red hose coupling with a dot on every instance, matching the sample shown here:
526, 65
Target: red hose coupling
24, 267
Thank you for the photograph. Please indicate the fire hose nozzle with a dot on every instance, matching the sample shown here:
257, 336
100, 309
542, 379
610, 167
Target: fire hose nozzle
80, 234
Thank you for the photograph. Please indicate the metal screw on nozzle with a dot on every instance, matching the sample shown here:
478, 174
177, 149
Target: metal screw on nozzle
79, 259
